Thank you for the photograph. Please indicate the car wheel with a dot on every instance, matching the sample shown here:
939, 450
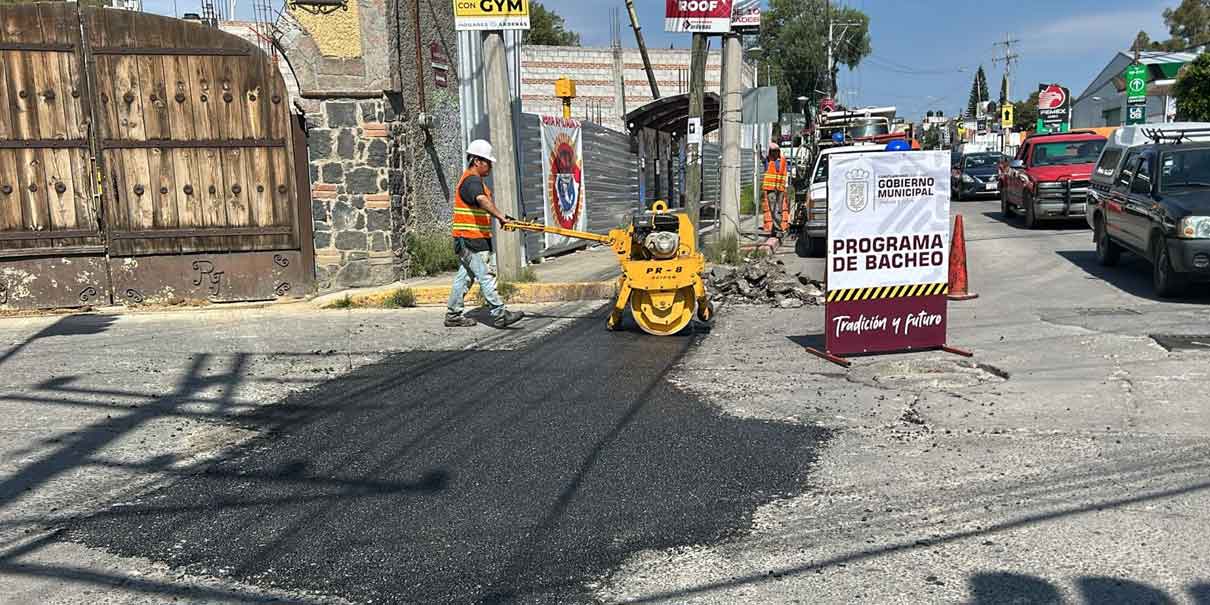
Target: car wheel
1031, 218
1108, 253
1168, 283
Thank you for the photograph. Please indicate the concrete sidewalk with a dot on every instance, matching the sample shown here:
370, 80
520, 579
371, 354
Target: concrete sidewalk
589, 274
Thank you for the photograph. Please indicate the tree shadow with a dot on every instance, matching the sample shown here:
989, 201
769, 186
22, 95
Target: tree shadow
1103, 590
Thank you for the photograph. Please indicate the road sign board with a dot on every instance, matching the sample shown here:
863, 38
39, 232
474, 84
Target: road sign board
698, 16
888, 251
1136, 82
471, 15
1006, 116
1136, 113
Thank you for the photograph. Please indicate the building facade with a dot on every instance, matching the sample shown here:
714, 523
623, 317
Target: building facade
1103, 102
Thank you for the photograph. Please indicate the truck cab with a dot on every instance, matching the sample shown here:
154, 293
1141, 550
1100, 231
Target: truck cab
810, 217
1048, 179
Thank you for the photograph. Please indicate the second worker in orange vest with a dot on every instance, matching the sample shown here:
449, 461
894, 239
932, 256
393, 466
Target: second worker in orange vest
773, 189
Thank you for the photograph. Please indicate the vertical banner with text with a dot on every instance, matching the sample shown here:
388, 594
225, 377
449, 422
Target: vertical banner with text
888, 251
563, 179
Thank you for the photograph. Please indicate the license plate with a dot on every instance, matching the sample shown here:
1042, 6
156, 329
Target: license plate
990, 186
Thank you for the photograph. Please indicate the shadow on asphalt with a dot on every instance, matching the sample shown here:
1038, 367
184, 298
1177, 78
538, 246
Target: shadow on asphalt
1016, 222
1132, 275
470, 476
1003, 588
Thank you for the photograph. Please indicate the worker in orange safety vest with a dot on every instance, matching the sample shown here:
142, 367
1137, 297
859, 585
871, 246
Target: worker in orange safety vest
774, 191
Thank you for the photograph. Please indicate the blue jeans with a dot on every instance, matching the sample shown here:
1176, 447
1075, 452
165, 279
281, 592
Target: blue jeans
476, 266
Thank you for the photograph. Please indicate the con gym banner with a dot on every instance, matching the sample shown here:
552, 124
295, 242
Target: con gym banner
888, 251
473, 15
563, 179
698, 16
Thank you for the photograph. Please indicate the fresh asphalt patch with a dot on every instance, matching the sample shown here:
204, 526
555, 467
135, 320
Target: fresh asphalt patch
470, 477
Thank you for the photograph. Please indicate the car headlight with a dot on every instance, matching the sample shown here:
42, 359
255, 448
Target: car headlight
966, 178
1194, 227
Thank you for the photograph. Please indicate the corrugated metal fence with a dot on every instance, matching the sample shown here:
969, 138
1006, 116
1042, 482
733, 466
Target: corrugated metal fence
611, 177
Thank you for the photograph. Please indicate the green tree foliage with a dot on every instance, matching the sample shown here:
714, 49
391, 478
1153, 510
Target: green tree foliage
547, 28
978, 94
794, 34
1003, 89
1025, 113
1189, 24
1192, 90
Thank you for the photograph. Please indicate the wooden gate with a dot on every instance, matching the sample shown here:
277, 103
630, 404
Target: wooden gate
144, 159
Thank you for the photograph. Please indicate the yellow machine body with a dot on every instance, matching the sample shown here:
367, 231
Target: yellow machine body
662, 291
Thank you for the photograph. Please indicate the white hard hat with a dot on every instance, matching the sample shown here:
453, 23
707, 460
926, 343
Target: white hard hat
482, 149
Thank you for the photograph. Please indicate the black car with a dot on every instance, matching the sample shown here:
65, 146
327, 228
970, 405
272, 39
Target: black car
975, 174
1158, 206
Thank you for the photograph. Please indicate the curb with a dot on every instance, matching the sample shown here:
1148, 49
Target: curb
523, 293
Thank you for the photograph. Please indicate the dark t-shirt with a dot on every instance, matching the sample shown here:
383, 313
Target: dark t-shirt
470, 191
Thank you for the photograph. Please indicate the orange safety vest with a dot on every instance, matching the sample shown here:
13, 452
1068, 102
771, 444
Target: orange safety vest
775, 175
471, 222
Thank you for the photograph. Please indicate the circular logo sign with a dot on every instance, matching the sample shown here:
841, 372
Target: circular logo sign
1053, 97
566, 182
1137, 85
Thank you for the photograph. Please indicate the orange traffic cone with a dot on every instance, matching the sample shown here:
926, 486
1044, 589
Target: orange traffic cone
957, 285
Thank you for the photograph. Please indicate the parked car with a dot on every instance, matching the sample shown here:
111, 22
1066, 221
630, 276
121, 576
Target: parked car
810, 217
1122, 140
1159, 208
976, 174
1048, 178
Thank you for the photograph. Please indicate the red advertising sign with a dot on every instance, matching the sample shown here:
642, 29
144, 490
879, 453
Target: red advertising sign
888, 251
698, 16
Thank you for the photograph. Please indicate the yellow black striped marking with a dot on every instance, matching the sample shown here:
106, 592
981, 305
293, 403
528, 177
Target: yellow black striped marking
883, 292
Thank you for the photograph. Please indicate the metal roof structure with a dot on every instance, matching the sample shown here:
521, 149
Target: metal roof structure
671, 115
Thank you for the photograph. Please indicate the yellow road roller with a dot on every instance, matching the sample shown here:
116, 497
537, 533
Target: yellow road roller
661, 269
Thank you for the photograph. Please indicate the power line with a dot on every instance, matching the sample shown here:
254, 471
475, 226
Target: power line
1009, 59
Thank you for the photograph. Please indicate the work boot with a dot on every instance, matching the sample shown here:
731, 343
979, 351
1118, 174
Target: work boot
459, 321
507, 319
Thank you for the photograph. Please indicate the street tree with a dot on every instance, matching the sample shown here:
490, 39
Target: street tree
1003, 89
1025, 113
1192, 90
547, 28
794, 35
1188, 23
978, 94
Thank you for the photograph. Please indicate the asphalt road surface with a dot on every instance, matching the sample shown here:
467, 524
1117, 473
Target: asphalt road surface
375, 456
470, 477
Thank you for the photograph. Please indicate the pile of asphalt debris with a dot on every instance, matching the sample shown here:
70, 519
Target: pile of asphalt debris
763, 281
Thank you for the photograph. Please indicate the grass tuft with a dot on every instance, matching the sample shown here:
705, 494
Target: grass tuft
341, 303
403, 298
431, 253
724, 251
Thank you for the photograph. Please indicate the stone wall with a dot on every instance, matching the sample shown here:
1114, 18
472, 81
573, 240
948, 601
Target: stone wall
377, 175
354, 160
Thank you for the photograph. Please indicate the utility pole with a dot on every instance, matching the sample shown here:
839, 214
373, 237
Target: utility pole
693, 142
619, 66
638, 36
504, 173
833, 41
1009, 58
731, 116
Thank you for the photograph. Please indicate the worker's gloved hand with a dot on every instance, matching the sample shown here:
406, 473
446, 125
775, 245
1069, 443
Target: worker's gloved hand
508, 219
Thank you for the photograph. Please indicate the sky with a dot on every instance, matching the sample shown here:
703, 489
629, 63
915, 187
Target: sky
925, 53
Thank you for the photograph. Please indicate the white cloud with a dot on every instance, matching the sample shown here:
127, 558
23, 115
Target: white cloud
1105, 31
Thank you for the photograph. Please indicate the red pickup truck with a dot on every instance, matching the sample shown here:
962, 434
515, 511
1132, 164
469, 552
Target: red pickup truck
1048, 178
